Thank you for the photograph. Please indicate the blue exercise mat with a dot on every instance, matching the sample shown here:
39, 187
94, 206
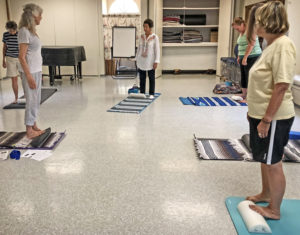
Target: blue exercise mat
210, 101
133, 104
289, 224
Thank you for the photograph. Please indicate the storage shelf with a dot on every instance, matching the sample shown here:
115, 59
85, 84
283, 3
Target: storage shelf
190, 26
200, 44
191, 8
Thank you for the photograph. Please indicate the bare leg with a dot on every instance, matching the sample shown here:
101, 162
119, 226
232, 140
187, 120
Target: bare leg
14, 81
244, 95
264, 196
277, 184
30, 133
35, 127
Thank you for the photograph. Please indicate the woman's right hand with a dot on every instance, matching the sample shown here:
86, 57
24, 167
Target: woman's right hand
4, 64
31, 82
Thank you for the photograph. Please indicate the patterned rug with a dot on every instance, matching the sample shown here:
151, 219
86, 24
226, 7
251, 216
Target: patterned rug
133, 105
210, 101
45, 94
18, 140
236, 149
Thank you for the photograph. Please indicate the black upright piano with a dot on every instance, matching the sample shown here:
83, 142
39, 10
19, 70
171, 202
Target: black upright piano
56, 56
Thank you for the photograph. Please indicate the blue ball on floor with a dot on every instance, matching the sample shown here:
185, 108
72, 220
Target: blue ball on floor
15, 154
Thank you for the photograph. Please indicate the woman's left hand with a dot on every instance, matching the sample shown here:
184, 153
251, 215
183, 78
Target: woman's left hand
244, 61
263, 129
154, 66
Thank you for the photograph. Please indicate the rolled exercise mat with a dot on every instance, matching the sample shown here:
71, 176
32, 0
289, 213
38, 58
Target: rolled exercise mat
38, 141
134, 95
254, 222
193, 19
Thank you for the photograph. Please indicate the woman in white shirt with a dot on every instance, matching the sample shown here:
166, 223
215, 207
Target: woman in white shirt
31, 61
148, 55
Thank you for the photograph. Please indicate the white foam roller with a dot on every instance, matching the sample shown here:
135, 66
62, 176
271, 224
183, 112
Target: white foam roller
236, 98
136, 95
254, 222
21, 101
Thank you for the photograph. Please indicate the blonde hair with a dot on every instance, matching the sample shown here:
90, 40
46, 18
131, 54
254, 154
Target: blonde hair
272, 17
238, 21
27, 19
251, 23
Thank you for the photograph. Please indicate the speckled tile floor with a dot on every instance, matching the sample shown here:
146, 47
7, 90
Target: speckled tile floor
127, 173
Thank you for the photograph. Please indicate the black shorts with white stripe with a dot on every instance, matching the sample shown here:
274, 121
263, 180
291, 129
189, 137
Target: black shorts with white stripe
269, 150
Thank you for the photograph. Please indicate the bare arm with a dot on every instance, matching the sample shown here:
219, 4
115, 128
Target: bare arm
4, 52
276, 99
274, 104
22, 58
249, 49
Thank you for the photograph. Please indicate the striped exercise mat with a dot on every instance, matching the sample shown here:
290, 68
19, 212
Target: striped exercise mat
133, 104
210, 101
236, 149
18, 140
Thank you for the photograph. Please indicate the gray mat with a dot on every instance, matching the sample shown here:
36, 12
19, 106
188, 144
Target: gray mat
45, 94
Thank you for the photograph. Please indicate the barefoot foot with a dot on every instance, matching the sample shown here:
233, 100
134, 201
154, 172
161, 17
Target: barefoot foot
266, 212
258, 198
32, 134
35, 128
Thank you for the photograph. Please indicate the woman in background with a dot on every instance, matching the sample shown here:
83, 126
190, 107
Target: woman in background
148, 55
248, 52
31, 61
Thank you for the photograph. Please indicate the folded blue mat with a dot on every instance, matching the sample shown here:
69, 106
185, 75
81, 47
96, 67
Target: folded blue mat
210, 101
294, 135
287, 225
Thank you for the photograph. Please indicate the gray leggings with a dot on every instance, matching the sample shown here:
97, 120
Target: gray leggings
33, 98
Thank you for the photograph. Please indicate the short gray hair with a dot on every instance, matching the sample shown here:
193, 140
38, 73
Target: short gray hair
27, 19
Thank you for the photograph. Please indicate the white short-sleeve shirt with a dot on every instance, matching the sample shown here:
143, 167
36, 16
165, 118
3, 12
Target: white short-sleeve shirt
34, 53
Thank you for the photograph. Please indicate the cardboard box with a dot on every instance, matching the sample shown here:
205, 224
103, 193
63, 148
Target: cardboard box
214, 36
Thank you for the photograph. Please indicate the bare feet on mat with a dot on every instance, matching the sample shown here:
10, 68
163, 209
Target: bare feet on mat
266, 212
32, 134
35, 128
243, 101
258, 198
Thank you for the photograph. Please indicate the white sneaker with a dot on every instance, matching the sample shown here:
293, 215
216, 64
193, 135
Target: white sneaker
151, 96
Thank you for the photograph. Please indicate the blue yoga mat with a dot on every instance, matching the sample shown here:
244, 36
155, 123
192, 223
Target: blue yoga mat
210, 101
289, 224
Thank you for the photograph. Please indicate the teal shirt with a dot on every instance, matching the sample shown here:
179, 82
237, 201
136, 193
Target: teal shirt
243, 43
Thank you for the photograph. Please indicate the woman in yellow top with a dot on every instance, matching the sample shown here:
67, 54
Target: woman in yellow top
271, 109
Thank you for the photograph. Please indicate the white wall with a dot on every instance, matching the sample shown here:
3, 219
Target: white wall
3, 19
70, 22
225, 31
293, 7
